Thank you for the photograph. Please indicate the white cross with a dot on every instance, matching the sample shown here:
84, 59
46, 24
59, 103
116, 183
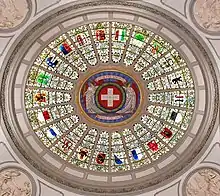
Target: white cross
110, 97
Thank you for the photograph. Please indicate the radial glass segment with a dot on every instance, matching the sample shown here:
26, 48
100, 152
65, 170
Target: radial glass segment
110, 96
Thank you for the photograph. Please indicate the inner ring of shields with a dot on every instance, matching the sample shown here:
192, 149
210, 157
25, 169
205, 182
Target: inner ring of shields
162, 72
110, 97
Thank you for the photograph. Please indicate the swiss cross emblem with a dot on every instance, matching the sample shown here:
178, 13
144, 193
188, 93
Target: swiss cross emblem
110, 96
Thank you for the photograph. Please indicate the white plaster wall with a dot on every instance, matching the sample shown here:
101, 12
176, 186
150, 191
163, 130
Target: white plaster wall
178, 7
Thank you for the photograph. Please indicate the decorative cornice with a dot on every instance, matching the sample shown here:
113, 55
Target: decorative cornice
144, 184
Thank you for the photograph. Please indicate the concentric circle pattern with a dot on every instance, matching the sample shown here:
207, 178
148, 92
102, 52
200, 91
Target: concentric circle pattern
110, 97
114, 74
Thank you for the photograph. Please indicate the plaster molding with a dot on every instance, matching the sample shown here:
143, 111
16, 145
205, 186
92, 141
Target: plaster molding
205, 14
6, 154
44, 188
45, 7
169, 190
202, 181
60, 14
5, 41
13, 14
215, 44
209, 159
171, 6
15, 182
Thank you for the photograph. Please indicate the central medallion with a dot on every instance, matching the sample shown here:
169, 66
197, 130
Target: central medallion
110, 97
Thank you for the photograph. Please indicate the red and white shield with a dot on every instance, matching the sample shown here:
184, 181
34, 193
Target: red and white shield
110, 97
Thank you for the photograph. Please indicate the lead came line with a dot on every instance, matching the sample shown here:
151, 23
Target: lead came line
110, 98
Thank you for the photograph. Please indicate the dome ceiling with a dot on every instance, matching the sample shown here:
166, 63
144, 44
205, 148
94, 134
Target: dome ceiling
110, 96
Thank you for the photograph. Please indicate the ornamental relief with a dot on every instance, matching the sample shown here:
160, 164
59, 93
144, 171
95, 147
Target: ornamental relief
207, 14
14, 182
12, 13
205, 182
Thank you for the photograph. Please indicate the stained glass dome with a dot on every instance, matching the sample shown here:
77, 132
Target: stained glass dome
110, 96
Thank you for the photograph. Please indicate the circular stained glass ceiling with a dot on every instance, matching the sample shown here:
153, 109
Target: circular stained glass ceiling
109, 96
